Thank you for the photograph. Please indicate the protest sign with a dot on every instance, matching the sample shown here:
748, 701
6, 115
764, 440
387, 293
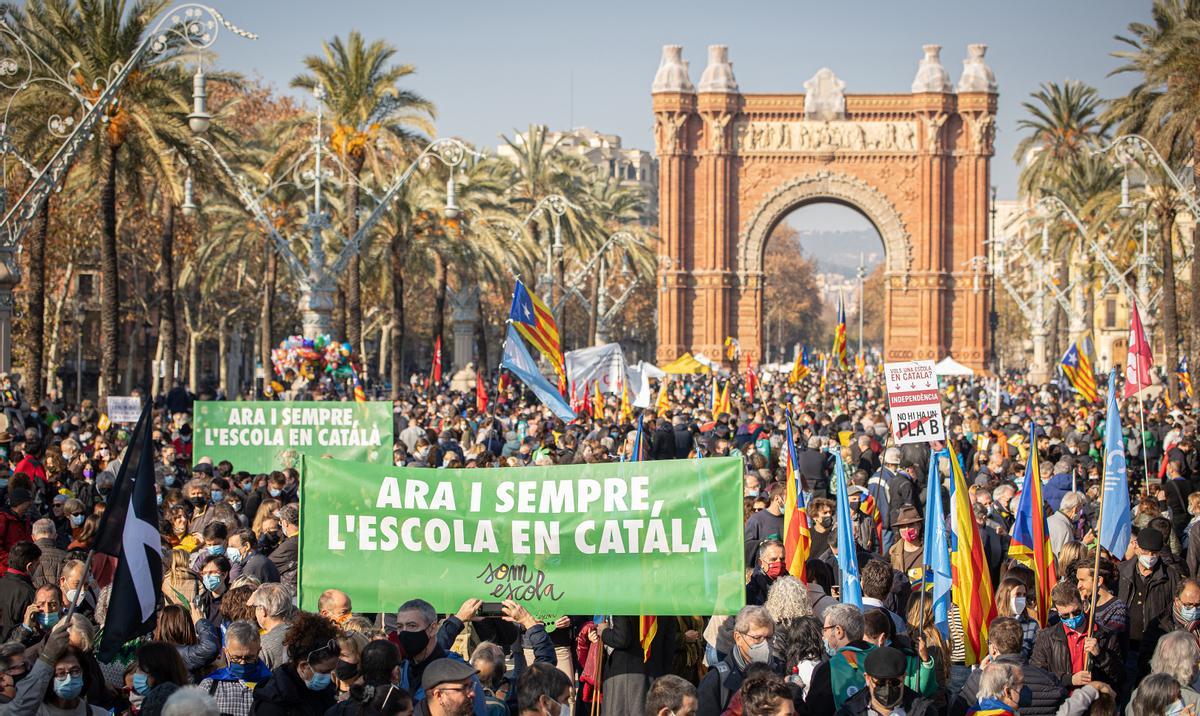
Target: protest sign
657, 537
261, 436
913, 402
124, 408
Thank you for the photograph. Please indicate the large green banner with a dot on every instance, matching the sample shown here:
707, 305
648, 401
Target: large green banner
658, 537
261, 436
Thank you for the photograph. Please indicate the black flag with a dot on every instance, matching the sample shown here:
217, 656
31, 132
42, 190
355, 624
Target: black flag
129, 531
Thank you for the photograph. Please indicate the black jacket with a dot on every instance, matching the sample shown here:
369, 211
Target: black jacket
1156, 610
16, 593
662, 444
914, 704
284, 694
626, 656
1046, 691
259, 567
1051, 653
718, 686
813, 466
901, 492
683, 441
820, 699
286, 560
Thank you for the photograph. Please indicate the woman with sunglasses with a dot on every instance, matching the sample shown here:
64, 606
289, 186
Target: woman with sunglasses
304, 685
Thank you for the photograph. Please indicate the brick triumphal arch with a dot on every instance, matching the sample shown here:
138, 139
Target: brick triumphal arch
733, 165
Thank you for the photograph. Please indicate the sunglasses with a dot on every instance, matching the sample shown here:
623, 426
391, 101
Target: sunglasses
331, 647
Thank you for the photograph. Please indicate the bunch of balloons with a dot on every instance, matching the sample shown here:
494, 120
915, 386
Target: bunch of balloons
312, 358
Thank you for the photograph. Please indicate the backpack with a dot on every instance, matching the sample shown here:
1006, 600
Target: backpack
845, 673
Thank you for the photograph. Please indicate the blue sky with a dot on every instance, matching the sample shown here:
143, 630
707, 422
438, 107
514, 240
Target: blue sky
491, 67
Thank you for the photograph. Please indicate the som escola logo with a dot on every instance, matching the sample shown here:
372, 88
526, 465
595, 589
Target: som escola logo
518, 582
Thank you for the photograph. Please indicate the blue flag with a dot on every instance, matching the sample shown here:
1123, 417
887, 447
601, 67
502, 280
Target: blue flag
517, 359
937, 549
847, 555
1115, 524
637, 442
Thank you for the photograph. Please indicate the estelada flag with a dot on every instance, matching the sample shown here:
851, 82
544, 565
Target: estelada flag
838, 353
971, 582
1139, 358
800, 367
1030, 538
534, 321
797, 540
1078, 369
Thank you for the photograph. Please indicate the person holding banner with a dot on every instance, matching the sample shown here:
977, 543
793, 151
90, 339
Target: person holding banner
753, 630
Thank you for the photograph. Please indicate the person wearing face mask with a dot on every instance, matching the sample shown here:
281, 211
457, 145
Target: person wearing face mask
1185, 610
884, 670
286, 555
1042, 694
159, 672
1012, 601
1066, 648
820, 523
214, 577
233, 685
765, 524
1147, 587
272, 605
57, 683
423, 642
836, 680
543, 690
907, 554
769, 568
753, 630
215, 540
247, 561
334, 605
40, 616
303, 686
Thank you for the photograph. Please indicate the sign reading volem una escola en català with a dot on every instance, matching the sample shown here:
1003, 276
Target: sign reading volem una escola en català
913, 402
657, 537
261, 436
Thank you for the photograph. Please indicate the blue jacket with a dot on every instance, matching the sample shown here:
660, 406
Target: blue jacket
1054, 490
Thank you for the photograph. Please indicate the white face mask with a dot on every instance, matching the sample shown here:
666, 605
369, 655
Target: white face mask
1147, 561
1018, 605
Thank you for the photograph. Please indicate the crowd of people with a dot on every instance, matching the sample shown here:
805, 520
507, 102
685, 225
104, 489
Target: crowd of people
1121, 631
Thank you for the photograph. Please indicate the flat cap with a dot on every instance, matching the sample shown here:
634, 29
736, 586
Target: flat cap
443, 671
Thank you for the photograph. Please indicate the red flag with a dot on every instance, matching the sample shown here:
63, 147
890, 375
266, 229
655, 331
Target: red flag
502, 387
481, 396
751, 381
1139, 358
436, 373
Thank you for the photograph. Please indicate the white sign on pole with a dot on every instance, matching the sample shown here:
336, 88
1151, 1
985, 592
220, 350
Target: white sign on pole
124, 408
913, 402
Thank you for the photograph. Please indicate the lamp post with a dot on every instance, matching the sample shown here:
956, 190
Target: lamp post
317, 277
191, 24
1126, 146
604, 313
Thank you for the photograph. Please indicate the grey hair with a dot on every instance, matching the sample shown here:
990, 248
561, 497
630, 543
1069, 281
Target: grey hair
1177, 655
751, 617
1071, 501
491, 654
243, 632
422, 606
44, 529
84, 629
273, 597
290, 514
788, 599
848, 617
191, 701
998, 676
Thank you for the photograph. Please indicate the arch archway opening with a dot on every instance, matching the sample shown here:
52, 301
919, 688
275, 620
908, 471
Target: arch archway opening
814, 253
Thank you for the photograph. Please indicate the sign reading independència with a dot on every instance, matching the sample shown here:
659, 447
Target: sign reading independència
657, 537
261, 436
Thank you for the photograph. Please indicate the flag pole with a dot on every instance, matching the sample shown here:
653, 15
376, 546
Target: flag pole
1096, 564
1142, 443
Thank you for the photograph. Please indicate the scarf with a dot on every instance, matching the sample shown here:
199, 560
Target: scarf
991, 707
254, 673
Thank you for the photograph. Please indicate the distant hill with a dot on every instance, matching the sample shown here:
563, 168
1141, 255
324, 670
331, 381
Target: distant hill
838, 251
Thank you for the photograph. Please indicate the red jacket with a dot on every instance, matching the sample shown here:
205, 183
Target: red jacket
30, 466
13, 529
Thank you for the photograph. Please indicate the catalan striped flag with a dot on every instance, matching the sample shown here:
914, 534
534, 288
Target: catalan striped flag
971, 582
663, 404
800, 368
1030, 539
534, 321
838, 353
732, 348
598, 404
796, 537
360, 395
1185, 376
1078, 370
869, 507
626, 408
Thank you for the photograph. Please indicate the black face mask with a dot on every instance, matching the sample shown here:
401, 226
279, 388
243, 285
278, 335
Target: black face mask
345, 670
889, 693
826, 522
413, 642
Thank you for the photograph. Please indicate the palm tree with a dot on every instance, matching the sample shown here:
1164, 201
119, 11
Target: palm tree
1063, 126
145, 122
360, 90
1165, 108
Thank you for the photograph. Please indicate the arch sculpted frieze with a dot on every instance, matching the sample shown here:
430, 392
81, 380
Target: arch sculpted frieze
752, 136
825, 185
